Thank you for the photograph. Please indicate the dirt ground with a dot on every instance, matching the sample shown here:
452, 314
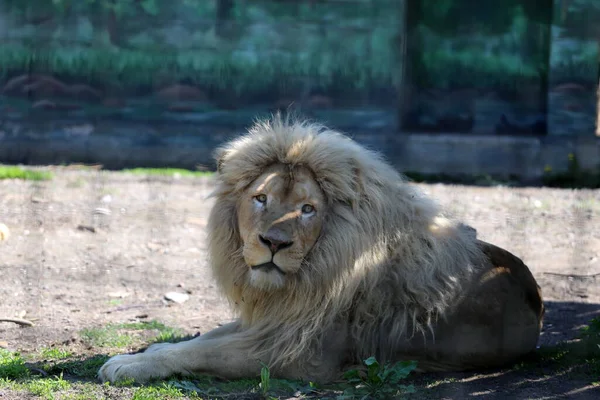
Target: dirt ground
92, 247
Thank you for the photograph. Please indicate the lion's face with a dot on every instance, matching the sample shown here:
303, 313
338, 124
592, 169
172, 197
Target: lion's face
280, 218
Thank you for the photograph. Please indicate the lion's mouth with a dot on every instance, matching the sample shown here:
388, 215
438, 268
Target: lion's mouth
267, 267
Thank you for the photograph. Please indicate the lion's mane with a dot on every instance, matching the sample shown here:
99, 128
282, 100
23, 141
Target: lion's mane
386, 264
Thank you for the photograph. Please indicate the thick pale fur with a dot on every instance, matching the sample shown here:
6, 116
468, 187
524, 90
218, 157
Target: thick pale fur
386, 276
386, 256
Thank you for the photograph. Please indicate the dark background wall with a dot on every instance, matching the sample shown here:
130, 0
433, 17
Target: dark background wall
79, 79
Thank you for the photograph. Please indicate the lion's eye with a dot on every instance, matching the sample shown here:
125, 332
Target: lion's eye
307, 209
261, 198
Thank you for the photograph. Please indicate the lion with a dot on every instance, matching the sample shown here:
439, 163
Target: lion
329, 256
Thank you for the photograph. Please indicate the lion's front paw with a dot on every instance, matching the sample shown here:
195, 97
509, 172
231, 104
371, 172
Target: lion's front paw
139, 367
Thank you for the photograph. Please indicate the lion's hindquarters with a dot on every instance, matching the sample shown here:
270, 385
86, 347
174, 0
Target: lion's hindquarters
497, 321
503, 260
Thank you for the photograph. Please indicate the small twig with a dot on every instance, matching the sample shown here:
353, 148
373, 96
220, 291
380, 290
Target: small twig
572, 275
86, 228
18, 321
124, 308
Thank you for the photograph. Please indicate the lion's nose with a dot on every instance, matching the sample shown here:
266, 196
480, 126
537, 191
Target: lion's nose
275, 241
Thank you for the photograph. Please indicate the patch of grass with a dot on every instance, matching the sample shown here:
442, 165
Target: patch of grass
173, 172
266, 387
45, 387
10, 172
581, 356
80, 367
209, 387
239, 386
591, 345
15, 374
55, 353
45, 379
124, 382
124, 335
379, 381
22, 374
265, 380
85, 391
204, 386
108, 336
12, 365
159, 392
54, 388
165, 333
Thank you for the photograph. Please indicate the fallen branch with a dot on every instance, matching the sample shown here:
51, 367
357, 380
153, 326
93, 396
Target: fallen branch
18, 321
572, 275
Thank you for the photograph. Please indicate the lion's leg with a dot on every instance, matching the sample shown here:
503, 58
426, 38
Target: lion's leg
226, 355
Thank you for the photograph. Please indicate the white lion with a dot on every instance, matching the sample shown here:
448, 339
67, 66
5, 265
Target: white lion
329, 256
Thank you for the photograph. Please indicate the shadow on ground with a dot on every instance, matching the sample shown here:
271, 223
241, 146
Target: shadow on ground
563, 366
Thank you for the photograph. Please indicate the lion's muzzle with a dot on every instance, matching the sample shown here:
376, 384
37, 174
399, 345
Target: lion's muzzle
275, 240
268, 267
